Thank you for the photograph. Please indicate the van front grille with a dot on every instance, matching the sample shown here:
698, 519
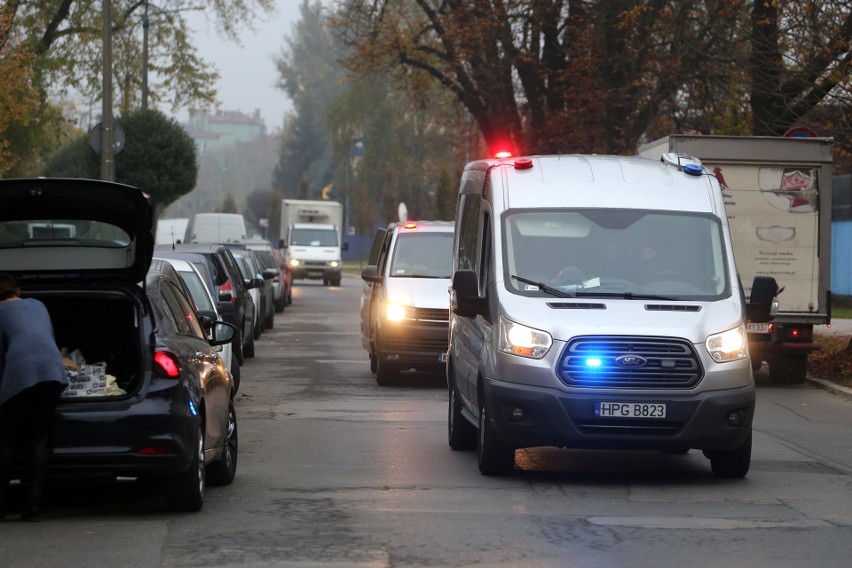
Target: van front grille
630, 362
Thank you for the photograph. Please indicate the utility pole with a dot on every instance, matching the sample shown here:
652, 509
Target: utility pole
145, 59
107, 159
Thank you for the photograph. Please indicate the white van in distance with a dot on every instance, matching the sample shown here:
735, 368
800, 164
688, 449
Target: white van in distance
595, 304
216, 228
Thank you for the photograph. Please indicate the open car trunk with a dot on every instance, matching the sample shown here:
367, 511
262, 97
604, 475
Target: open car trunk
102, 329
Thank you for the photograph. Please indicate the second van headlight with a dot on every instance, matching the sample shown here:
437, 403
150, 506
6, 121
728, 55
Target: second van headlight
729, 345
524, 341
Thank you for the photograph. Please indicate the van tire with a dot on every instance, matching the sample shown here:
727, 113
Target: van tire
185, 491
731, 464
494, 457
461, 434
386, 373
248, 348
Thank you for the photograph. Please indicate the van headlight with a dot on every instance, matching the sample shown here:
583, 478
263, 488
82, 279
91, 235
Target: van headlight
395, 312
334, 264
294, 263
729, 345
524, 341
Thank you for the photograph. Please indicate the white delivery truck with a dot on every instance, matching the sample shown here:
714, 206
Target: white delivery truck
312, 239
595, 304
778, 200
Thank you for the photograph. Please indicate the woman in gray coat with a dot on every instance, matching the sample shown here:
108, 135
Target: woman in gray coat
32, 378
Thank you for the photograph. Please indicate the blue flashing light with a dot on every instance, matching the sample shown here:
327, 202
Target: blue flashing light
593, 362
693, 169
192, 409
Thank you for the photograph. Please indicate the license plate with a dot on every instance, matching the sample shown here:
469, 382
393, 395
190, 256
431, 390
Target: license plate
630, 409
442, 357
757, 327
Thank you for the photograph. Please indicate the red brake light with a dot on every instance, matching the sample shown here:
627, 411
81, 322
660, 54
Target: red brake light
168, 364
226, 287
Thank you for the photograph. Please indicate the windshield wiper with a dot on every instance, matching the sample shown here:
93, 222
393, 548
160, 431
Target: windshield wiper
625, 295
544, 287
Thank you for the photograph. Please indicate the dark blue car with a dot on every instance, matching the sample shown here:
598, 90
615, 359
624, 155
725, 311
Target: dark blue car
150, 396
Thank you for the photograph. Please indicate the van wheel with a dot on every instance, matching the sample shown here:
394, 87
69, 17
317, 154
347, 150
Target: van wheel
494, 457
792, 369
372, 362
222, 472
461, 434
335, 282
185, 491
386, 373
731, 464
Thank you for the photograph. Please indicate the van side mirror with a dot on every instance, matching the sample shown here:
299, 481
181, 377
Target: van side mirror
763, 304
370, 273
282, 244
465, 300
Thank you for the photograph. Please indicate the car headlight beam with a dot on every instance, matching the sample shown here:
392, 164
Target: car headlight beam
728, 345
523, 341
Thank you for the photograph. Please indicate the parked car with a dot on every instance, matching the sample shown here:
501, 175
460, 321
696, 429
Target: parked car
151, 395
229, 287
404, 302
266, 313
249, 271
199, 286
269, 260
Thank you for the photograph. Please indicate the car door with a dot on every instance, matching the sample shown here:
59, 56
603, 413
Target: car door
200, 360
367, 288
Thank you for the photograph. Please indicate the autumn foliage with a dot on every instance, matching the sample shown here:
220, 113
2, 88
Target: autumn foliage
17, 96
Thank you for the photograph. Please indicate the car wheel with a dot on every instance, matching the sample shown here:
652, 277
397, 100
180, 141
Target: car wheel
461, 434
185, 491
731, 464
280, 305
270, 321
248, 348
237, 346
494, 457
258, 328
235, 373
222, 471
372, 362
386, 372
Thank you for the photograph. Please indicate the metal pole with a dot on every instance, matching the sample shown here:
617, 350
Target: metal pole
145, 59
107, 162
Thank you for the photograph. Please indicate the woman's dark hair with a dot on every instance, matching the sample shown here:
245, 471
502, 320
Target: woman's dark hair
8, 286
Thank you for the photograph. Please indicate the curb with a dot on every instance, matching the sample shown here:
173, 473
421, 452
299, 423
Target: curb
839, 390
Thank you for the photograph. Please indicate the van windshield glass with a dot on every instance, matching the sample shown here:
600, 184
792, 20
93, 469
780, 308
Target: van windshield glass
615, 253
422, 255
313, 237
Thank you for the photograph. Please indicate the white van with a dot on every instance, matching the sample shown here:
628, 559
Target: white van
216, 228
595, 304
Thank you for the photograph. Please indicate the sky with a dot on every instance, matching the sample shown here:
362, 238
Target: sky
247, 72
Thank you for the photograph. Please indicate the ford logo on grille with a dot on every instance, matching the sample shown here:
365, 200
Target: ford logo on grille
630, 361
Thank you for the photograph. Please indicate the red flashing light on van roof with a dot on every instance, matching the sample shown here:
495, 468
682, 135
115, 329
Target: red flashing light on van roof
503, 154
410, 225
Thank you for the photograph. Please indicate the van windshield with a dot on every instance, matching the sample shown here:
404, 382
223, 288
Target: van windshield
313, 237
422, 255
615, 253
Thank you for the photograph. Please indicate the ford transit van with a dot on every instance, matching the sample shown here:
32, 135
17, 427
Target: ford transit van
595, 304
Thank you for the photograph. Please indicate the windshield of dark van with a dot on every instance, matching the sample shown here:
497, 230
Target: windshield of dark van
615, 253
422, 255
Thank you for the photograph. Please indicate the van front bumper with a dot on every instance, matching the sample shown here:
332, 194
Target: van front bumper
528, 416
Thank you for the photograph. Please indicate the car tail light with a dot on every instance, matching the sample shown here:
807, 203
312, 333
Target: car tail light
156, 451
166, 364
226, 287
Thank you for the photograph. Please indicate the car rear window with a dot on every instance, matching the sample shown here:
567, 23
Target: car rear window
50, 232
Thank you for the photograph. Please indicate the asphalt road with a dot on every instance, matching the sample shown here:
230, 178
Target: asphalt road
335, 471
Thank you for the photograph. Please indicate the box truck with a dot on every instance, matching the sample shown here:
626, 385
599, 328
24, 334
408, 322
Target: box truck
777, 194
311, 237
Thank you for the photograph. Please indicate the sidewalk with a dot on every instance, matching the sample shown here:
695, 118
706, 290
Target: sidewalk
838, 327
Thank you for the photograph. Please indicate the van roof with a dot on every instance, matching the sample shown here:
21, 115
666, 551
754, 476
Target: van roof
578, 181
